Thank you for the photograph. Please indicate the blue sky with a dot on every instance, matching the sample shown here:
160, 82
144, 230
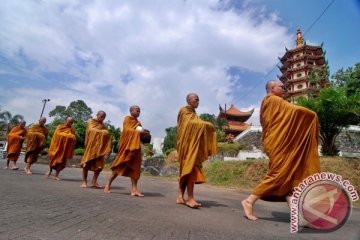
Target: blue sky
113, 54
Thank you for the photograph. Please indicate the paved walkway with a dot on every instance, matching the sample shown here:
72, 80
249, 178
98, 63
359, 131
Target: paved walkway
32, 207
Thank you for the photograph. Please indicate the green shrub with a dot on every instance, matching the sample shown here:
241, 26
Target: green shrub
229, 149
168, 151
79, 151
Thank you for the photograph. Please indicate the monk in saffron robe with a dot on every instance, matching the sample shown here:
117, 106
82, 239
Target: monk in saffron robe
196, 141
15, 141
61, 147
290, 139
128, 159
36, 139
97, 146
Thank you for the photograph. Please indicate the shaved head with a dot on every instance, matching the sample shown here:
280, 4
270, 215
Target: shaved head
193, 100
22, 123
101, 112
275, 87
269, 84
100, 116
190, 95
69, 121
135, 111
42, 121
133, 107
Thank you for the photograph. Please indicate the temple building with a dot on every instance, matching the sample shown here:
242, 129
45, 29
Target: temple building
297, 64
236, 121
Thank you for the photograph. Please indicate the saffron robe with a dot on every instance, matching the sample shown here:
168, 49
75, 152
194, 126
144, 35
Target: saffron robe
196, 141
36, 139
128, 159
97, 145
62, 146
290, 139
15, 141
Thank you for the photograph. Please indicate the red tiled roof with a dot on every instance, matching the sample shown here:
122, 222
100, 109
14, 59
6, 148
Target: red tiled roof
233, 111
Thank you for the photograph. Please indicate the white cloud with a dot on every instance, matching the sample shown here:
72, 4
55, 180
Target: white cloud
134, 52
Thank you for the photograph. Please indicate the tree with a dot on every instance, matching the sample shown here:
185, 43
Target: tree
218, 123
7, 120
337, 107
80, 130
170, 139
349, 79
318, 78
76, 109
79, 111
59, 112
115, 133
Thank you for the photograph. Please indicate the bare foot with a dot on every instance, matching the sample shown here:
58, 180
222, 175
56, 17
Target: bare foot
248, 210
192, 203
6, 168
56, 178
14, 168
84, 185
97, 186
107, 189
137, 194
180, 200
47, 174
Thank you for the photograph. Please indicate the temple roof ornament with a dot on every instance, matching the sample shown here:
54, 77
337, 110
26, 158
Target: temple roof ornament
299, 39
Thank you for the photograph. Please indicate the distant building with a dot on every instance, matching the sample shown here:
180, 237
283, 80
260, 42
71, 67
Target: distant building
296, 66
236, 121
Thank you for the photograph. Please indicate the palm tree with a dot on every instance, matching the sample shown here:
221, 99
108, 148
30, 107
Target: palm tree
7, 121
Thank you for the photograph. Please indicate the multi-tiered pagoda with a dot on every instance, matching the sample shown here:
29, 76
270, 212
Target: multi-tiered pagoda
236, 121
297, 63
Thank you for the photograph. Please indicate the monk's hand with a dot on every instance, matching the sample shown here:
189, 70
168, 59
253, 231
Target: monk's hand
145, 132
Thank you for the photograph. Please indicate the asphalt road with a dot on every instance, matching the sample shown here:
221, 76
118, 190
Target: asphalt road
32, 207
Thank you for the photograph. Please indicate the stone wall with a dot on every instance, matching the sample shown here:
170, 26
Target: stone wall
348, 141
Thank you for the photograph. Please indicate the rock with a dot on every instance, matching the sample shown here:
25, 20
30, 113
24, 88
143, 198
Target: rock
173, 156
153, 165
156, 162
169, 171
152, 170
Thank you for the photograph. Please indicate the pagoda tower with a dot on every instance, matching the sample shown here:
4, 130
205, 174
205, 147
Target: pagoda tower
296, 66
236, 121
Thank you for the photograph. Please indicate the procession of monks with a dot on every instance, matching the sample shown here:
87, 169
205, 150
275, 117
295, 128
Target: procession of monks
290, 139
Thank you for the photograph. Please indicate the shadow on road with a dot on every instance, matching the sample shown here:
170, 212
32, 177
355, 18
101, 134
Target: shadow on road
209, 204
153, 194
70, 179
278, 217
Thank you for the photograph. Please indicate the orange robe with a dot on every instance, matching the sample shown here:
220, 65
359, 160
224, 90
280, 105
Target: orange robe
128, 159
97, 145
36, 139
290, 139
15, 141
62, 146
196, 141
